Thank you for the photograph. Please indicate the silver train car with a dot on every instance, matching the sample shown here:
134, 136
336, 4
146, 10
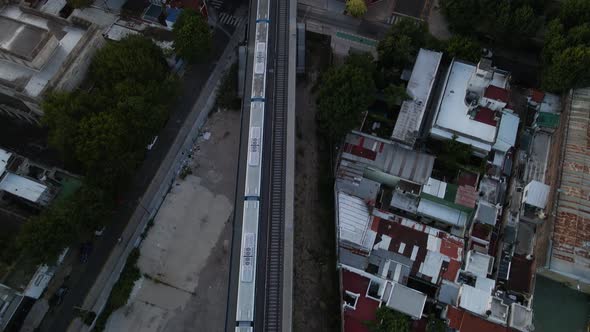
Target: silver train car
252, 191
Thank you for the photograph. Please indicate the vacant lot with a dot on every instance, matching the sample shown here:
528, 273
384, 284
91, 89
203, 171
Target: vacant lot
316, 300
184, 259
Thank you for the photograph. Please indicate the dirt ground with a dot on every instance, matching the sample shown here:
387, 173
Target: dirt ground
316, 299
184, 259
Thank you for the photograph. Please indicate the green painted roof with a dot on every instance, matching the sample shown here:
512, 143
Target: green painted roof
547, 120
451, 193
357, 39
69, 186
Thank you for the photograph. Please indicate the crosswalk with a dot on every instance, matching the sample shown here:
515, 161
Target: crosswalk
216, 3
228, 19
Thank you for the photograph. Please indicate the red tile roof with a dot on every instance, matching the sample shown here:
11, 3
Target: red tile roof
360, 151
485, 115
365, 307
452, 270
465, 322
537, 96
466, 196
496, 93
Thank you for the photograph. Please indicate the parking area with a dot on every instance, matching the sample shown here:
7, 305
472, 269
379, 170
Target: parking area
184, 259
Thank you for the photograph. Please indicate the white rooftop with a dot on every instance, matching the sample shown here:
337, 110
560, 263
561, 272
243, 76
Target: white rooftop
36, 81
521, 318
353, 221
4, 156
507, 132
478, 263
551, 104
474, 299
407, 300
452, 112
22, 187
435, 187
419, 89
535, 194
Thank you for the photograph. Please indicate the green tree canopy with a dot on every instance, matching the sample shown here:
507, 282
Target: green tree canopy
388, 320
566, 52
134, 58
192, 37
463, 48
395, 95
356, 8
344, 94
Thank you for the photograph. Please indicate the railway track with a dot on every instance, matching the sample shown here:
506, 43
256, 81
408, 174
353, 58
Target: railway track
274, 256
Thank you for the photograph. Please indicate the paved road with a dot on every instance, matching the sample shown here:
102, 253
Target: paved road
80, 283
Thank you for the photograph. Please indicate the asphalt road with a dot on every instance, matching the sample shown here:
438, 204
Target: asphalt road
80, 283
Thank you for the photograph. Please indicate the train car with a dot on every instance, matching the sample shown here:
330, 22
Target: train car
247, 275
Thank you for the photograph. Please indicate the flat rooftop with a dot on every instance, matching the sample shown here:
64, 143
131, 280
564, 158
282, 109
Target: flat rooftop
453, 112
21, 39
33, 82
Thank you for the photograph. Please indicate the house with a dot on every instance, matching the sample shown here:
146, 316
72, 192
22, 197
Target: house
473, 102
534, 201
40, 53
24, 181
410, 121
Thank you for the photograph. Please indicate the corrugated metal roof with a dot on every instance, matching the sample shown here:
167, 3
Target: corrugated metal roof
22, 187
507, 132
407, 300
571, 239
353, 220
419, 88
474, 299
4, 156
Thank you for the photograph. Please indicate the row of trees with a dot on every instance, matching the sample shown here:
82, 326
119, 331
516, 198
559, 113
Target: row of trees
509, 22
566, 52
103, 132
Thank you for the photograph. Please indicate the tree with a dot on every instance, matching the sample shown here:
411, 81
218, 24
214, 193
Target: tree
344, 94
227, 95
463, 48
192, 37
388, 320
454, 154
395, 95
134, 58
61, 113
574, 12
524, 24
401, 44
462, 15
356, 8
570, 69
44, 237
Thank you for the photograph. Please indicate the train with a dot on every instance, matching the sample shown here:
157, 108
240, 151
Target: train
252, 191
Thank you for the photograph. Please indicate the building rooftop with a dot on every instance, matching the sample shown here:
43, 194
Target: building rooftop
361, 151
521, 318
547, 120
497, 93
364, 307
507, 132
21, 39
353, 222
9, 303
25, 188
4, 157
474, 299
535, 194
453, 112
407, 300
419, 88
551, 104
522, 271
444, 209
571, 232
486, 213
33, 82
449, 293
479, 264
463, 321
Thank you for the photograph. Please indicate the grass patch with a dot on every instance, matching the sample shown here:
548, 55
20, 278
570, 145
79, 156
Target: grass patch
121, 290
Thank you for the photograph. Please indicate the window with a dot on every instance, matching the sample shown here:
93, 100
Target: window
350, 299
